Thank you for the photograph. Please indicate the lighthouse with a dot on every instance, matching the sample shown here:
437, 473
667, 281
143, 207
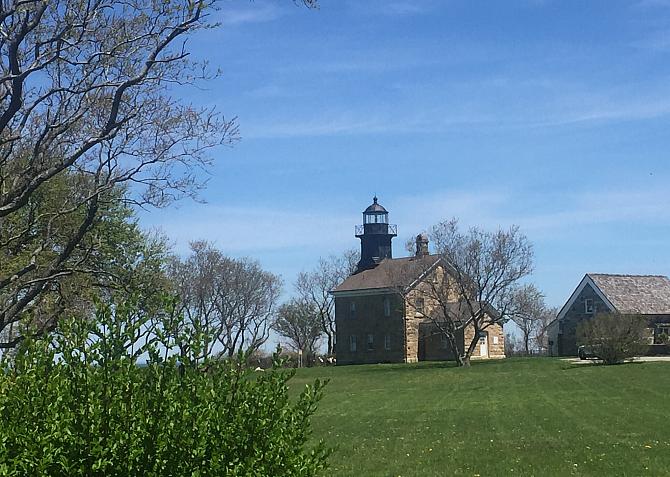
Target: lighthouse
375, 234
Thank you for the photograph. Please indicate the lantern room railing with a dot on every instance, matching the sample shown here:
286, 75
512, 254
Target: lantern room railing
377, 229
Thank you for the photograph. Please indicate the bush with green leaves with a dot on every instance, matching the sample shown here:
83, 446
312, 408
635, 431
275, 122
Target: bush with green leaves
77, 403
615, 337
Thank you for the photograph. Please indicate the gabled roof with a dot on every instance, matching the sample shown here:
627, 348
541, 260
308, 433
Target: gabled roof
629, 294
389, 274
643, 294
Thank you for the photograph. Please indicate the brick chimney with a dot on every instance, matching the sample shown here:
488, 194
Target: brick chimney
422, 245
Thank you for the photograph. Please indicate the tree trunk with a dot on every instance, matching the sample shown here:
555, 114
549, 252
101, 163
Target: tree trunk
471, 348
526, 343
330, 344
454, 346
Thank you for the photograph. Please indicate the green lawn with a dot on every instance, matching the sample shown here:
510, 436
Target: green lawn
512, 417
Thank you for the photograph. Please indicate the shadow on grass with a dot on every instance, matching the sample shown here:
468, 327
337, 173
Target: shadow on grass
404, 367
567, 365
428, 365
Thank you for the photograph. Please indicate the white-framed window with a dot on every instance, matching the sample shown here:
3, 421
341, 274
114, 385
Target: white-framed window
371, 342
661, 333
495, 340
387, 342
352, 343
352, 309
387, 306
588, 306
419, 305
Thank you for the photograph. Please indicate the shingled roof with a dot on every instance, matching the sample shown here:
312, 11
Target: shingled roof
643, 294
390, 273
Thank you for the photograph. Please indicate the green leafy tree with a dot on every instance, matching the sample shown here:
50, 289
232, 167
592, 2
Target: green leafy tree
78, 403
91, 116
113, 257
88, 120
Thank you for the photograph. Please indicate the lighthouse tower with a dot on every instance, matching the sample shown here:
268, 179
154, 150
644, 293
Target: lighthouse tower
375, 234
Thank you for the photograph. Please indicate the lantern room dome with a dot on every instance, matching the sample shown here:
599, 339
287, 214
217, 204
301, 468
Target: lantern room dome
375, 207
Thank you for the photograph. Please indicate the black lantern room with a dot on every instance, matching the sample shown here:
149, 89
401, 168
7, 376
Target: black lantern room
375, 234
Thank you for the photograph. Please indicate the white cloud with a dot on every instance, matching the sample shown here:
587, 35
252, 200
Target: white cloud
629, 207
360, 123
242, 230
491, 209
653, 3
656, 41
569, 108
391, 7
258, 12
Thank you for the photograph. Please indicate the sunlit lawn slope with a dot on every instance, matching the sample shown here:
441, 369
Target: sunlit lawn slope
512, 417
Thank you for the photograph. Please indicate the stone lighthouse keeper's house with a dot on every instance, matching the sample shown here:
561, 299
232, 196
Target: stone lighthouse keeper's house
376, 323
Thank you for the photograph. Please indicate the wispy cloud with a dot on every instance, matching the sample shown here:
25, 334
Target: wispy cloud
258, 12
254, 230
453, 110
658, 40
242, 230
603, 207
270, 91
561, 211
391, 7
652, 3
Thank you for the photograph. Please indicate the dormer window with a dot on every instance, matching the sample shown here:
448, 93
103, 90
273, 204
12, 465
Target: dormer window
589, 308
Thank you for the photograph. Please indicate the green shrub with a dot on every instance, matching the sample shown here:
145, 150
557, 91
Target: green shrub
77, 403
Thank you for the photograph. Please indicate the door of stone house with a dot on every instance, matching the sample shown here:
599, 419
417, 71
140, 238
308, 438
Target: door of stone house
422, 343
483, 344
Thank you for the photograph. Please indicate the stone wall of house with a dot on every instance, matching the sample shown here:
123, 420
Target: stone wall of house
424, 342
415, 320
433, 346
567, 340
369, 319
411, 334
496, 342
412, 321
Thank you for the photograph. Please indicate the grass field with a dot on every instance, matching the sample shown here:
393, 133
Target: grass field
537, 417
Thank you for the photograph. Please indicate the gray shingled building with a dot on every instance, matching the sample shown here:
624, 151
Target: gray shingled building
647, 295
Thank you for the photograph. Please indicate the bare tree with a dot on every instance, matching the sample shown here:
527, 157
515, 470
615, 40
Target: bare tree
544, 320
470, 286
528, 310
229, 302
512, 344
615, 337
299, 323
314, 289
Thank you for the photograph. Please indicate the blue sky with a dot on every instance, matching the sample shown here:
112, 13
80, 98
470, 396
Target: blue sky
552, 115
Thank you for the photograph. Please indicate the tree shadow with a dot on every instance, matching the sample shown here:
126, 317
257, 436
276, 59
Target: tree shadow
588, 364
